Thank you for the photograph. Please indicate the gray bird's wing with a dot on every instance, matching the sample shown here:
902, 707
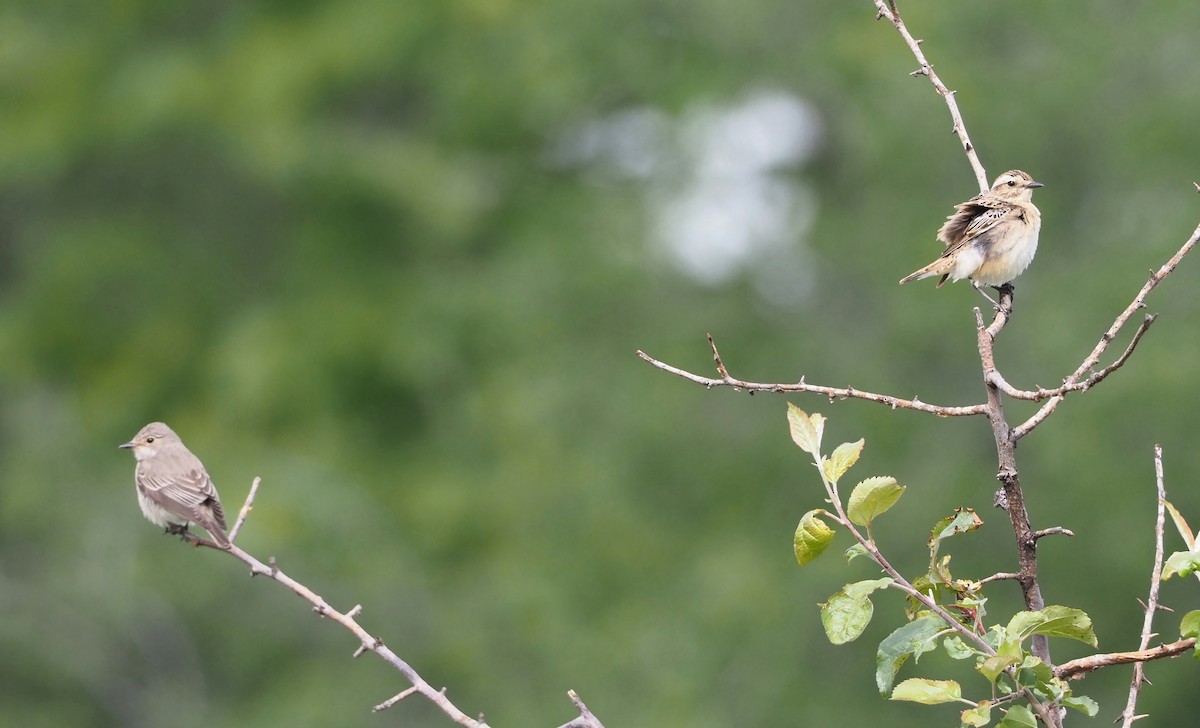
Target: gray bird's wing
191, 495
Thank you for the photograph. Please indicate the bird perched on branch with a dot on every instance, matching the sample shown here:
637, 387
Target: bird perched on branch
992, 237
173, 488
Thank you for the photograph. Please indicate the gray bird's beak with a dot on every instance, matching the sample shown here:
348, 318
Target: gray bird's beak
1031, 185
126, 446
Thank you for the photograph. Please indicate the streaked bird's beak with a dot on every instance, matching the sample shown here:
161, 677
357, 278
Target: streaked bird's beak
1031, 185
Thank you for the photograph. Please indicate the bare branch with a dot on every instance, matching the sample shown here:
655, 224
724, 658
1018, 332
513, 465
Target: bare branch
1076, 669
367, 642
585, 719
1151, 605
832, 393
246, 508
1054, 530
1040, 393
393, 700
1000, 576
890, 12
1139, 302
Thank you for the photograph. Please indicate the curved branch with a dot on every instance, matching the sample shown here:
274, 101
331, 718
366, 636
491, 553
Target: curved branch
1139, 302
1041, 393
831, 392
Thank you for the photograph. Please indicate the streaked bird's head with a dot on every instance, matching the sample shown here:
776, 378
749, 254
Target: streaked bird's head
1015, 185
151, 440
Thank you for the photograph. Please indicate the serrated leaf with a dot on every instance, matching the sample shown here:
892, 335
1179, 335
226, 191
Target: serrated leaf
1083, 704
1018, 717
872, 497
1181, 563
1181, 525
1053, 621
842, 458
812, 537
927, 692
978, 716
848, 612
1189, 626
806, 429
911, 640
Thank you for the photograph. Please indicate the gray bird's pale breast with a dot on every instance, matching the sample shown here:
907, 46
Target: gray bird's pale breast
155, 513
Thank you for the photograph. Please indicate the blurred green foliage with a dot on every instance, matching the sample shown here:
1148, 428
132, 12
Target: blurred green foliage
356, 249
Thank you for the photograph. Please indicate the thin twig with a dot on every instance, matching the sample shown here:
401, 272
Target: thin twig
1139, 302
393, 700
246, 508
1052, 531
832, 393
585, 719
1151, 605
890, 12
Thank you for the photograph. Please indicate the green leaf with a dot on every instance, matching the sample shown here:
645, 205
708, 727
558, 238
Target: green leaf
961, 520
958, 649
1009, 653
855, 551
872, 497
978, 716
848, 612
928, 692
1181, 525
812, 537
863, 589
1181, 563
1033, 673
806, 429
842, 458
910, 640
1189, 626
1054, 621
1018, 717
1083, 704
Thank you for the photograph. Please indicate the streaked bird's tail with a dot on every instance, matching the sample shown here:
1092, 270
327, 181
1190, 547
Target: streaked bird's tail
940, 267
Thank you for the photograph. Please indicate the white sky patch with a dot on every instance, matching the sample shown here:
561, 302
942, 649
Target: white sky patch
722, 190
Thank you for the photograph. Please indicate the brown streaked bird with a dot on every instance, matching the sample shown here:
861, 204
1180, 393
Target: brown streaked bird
173, 488
992, 237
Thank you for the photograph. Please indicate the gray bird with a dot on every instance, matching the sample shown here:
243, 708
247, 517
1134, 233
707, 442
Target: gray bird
173, 488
